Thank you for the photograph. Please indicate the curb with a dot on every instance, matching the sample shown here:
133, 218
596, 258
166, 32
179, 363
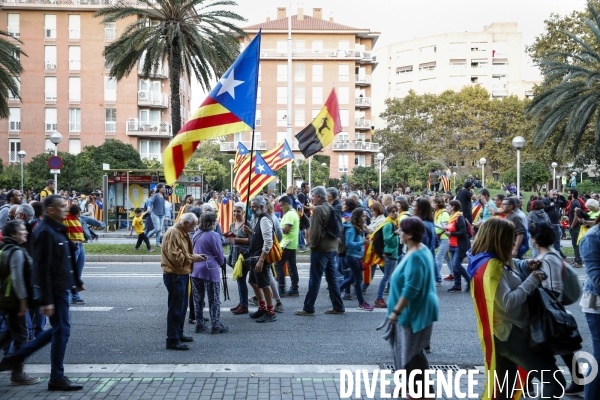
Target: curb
109, 258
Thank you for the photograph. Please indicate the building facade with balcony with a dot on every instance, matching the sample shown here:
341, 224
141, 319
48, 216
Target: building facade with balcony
492, 58
65, 85
325, 55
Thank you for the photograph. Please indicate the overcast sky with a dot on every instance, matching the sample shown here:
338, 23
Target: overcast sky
399, 20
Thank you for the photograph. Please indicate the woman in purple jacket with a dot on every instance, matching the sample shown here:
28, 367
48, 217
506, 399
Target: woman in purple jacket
206, 275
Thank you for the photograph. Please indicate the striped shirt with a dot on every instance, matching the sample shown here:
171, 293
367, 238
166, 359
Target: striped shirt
74, 228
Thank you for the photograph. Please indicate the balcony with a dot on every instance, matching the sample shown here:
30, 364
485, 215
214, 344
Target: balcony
110, 34
366, 57
69, 4
362, 124
358, 146
50, 127
153, 99
151, 157
231, 147
14, 127
49, 97
149, 129
361, 56
162, 72
49, 65
13, 100
362, 80
362, 102
12, 32
74, 66
110, 128
74, 128
49, 34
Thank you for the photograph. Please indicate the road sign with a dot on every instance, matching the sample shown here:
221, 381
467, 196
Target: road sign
55, 171
180, 191
168, 190
55, 162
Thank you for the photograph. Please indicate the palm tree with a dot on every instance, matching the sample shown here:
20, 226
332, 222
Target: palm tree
568, 106
195, 37
10, 70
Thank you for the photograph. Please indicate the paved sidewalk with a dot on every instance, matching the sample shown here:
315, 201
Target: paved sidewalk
200, 381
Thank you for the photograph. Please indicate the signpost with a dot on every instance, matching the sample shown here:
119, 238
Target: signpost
168, 190
179, 190
55, 163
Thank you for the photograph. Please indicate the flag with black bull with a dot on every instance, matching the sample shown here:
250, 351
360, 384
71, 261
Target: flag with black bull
316, 136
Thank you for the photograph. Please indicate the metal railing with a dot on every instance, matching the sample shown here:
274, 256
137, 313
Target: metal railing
363, 101
153, 99
110, 128
74, 127
14, 33
14, 126
49, 65
74, 66
110, 34
50, 127
161, 72
232, 146
142, 128
12, 99
319, 53
362, 123
362, 79
49, 34
356, 146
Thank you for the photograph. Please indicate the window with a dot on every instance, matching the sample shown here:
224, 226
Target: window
481, 80
360, 161
299, 117
426, 67
344, 95
259, 72
458, 64
299, 94
74, 120
50, 27
360, 136
345, 117
317, 72
458, 47
149, 118
343, 163
281, 72
299, 72
110, 90
499, 67
317, 95
405, 56
282, 93
478, 46
14, 146
317, 46
342, 137
50, 89
499, 82
50, 120
314, 113
404, 71
281, 136
110, 31
299, 46
74, 146
258, 94
110, 121
74, 90
427, 85
150, 150
14, 120
14, 28
238, 137
257, 137
282, 47
74, 59
258, 117
343, 72
482, 63
281, 117
14, 99
74, 28
48, 145
50, 58
427, 51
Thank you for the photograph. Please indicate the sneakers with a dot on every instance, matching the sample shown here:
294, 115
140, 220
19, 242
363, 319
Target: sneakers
278, 307
293, 293
572, 389
449, 278
282, 292
347, 297
365, 306
455, 289
428, 349
259, 313
386, 290
253, 300
152, 250
23, 379
380, 303
219, 329
78, 301
304, 313
334, 311
267, 318
302, 249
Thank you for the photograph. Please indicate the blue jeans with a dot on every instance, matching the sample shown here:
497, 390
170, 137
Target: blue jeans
592, 389
440, 256
322, 262
80, 262
457, 269
177, 305
91, 221
388, 267
558, 231
301, 240
340, 269
157, 221
357, 277
58, 335
243, 289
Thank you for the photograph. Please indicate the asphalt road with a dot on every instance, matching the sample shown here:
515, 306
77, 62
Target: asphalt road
124, 321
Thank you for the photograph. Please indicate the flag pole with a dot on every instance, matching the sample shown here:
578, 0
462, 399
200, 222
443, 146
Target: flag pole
288, 135
249, 176
309, 171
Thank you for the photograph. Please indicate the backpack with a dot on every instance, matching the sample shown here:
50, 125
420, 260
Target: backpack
38, 196
571, 287
470, 230
378, 244
342, 244
8, 300
334, 227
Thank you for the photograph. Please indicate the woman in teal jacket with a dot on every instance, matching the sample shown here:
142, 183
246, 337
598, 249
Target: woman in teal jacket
390, 252
355, 249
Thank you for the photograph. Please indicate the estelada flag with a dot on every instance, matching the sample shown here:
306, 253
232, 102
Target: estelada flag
229, 108
262, 174
486, 271
445, 183
240, 156
476, 211
322, 129
281, 157
226, 214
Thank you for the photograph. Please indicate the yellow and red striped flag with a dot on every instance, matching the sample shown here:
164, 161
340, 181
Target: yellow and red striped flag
225, 214
229, 108
476, 211
240, 155
262, 174
445, 183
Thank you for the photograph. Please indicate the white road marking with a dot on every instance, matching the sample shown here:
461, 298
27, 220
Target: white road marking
77, 308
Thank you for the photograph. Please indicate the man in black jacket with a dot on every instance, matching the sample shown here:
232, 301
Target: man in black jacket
55, 276
552, 206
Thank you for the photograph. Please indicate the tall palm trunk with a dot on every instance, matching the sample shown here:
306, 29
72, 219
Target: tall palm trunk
175, 70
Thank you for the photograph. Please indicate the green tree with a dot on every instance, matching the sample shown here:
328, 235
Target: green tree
37, 171
10, 178
319, 173
212, 170
365, 178
195, 37
533, 175
10, 71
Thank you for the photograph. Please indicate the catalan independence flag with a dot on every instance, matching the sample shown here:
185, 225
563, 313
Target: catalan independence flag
262, 174
280, 156
445, 183
240, 156
486, 271
322, 129
226, 214
477, 212
229, 108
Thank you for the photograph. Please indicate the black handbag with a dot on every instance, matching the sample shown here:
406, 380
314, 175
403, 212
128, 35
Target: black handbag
551, 328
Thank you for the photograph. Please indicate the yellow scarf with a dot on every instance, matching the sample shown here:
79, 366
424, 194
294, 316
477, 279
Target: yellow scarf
437, 214
454, 217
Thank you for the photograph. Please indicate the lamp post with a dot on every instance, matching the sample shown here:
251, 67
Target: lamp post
454, 176
201, 181
482, 161
231, 173
380, 157
554, 165
518, 143
56, 138
21, 154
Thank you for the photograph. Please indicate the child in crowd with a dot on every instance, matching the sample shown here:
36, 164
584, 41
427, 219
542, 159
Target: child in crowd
138, 225
564, 226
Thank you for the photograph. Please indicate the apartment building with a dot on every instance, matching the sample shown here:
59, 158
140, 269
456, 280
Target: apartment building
492, 58
325, 55
65, 85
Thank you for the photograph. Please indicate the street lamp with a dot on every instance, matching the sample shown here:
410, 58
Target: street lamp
231, 173
201, 182
56, 138
454, 176
21, 154
482, 161
380, 157
554, 165
518, 143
